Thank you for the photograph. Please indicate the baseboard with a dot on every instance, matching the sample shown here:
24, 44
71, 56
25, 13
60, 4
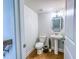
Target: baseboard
59, 49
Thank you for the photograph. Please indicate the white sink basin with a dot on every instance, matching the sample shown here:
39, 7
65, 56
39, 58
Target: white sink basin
58, 36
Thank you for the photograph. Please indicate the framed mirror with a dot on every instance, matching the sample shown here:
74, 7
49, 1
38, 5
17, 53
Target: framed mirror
57, 24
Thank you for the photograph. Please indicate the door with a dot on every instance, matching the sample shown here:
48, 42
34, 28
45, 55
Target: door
9, 39
22, 30
70, 31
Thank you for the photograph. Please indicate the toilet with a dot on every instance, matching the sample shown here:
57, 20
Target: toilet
39, 45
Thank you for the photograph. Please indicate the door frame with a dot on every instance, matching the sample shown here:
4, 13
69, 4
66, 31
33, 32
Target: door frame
18, 16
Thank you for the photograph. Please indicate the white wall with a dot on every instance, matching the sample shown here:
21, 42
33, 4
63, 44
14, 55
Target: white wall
31, 28
45, 23
45, 27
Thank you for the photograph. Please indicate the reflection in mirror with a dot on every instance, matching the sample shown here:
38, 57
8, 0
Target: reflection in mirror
57, 23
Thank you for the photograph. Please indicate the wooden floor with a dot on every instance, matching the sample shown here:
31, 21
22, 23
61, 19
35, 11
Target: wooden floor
49, 55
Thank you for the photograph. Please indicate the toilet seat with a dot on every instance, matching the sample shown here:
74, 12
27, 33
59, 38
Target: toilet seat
39, 45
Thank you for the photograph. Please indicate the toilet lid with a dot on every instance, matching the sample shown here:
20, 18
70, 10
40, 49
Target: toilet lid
39, 44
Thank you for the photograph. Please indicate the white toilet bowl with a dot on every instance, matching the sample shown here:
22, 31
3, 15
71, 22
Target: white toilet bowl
39, 45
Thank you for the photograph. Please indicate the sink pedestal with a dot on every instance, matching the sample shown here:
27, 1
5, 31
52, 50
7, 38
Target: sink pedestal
56, 38
55, 46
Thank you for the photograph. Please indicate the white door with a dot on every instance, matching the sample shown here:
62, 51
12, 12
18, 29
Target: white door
21, 44
22, 30
70, 31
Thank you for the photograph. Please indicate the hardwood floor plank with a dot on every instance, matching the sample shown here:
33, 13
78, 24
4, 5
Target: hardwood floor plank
49, 55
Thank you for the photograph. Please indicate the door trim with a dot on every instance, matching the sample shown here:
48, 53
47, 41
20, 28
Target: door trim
69, 39
17, 28
67, 48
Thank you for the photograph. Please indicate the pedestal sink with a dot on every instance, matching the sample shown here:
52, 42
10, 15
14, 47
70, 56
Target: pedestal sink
56, 37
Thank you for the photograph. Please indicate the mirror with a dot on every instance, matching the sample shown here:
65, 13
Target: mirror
57, 23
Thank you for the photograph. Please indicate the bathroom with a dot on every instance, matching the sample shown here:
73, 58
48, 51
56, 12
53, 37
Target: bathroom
38, 22
39, 29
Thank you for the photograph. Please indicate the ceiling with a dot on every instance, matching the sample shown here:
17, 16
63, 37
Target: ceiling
43, 6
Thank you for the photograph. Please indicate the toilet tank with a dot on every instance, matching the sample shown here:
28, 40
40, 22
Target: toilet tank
42, 39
